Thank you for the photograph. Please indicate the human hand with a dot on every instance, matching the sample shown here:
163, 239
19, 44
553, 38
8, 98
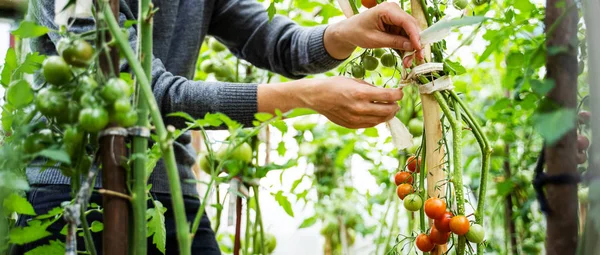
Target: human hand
384, 26
350, 102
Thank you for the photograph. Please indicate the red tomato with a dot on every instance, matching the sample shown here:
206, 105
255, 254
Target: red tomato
369, 3
403, 177
403, 190
581, 157
438, 237
584, 117
435, 208
424, 243
443, 223
459, 225
583, 143
412, 164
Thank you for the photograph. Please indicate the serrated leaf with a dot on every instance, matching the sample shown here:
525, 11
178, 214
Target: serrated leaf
54, 247
18, 204
156, 225
271, 10
50, 214
308, 222
33, 62
263, 116
10, 64
455, 68
35, 231
283, 201
553, 125
281, 148
542, 87
57, 155
184, 115
97, 226
28, 29
280, 125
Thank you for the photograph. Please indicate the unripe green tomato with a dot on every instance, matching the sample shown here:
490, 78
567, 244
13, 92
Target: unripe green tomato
89, 100
498, 148
122, 105
216, 45
388, 60
78, 53
270, 242
207, 66
460, 4
370, 63
378, 52
38, 141
51, 102
86, 85
56, 70
93, 119
126, 119
203, 162
476, 234
71, 114
19, 93
115, 89
415, 127
413, 202
242, 153
358, 71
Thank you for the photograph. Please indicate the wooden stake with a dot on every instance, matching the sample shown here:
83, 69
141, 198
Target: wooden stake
434, 155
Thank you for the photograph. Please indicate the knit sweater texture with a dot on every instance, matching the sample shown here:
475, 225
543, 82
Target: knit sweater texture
180, 26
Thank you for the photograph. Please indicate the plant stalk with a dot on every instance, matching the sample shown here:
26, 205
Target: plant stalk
163, 137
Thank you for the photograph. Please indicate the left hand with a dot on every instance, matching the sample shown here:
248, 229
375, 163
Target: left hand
378, 27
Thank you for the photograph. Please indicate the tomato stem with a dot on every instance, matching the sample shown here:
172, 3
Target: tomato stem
422, 175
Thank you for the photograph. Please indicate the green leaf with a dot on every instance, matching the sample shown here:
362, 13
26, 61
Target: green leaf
371, 132
57, 155
35, 231
525, 6
281, 148
10, 64
18, 204
296, 183
19, 93
553, 125
308, 222
299, 112
271, 10
542, 87
455, 68
28, 29
129, 23
55, 247
52, 213
184, 115
280, 125
263, 116
156, 225
515, 59
284, 202
504, 188
97, 226
33, 62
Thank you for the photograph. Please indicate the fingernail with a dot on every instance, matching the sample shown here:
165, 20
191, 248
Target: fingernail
407, 46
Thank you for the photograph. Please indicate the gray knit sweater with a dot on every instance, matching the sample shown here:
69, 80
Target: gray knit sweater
179, 29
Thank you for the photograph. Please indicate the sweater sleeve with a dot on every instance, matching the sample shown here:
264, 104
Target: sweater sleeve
279, 45
172, 93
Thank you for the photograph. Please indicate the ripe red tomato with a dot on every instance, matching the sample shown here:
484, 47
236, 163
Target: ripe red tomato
413, 164
369, 3
443, 223
583, 143
435, 208
403, 190
403, 177
584, 117
438, 237
424, 243
459, 225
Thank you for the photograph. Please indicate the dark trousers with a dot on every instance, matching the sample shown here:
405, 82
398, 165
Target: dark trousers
45, 197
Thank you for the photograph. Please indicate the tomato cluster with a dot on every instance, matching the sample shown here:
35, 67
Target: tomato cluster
405, 190
370, 61
444, 225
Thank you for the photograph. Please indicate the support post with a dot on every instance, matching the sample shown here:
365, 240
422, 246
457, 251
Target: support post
434, 157
562, 221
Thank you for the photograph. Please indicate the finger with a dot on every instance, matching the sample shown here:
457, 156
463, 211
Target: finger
375, 110
365, 121
396, 16
382, 94
407, 61
395, 41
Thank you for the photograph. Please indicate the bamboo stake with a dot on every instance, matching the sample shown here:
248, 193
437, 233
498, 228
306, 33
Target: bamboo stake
434, 159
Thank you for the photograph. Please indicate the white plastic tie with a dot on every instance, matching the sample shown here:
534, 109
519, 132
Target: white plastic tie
81, 9
401, 137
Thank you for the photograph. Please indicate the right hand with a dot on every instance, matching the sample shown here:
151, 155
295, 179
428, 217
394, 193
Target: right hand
350, 102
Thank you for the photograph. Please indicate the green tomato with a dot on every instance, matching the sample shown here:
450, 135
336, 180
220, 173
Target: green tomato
72, 139
204, 163
370, 63
415, 127
71, 115
413, 202
87, 84
388, 60
19, 93
498, 148
476, 234
51, 102
56, 70
216, 45
207, 66
378, 52
38, 141
78, 53
460, 4
115, 89
358, 71
62, 44
122, 105
89, 100
126, 119
242, 153
93, 119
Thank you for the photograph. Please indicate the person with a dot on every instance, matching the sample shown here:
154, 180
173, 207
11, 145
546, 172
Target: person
278, 45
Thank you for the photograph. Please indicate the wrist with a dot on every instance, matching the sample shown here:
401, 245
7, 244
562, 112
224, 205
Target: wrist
336, 43
285, 96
